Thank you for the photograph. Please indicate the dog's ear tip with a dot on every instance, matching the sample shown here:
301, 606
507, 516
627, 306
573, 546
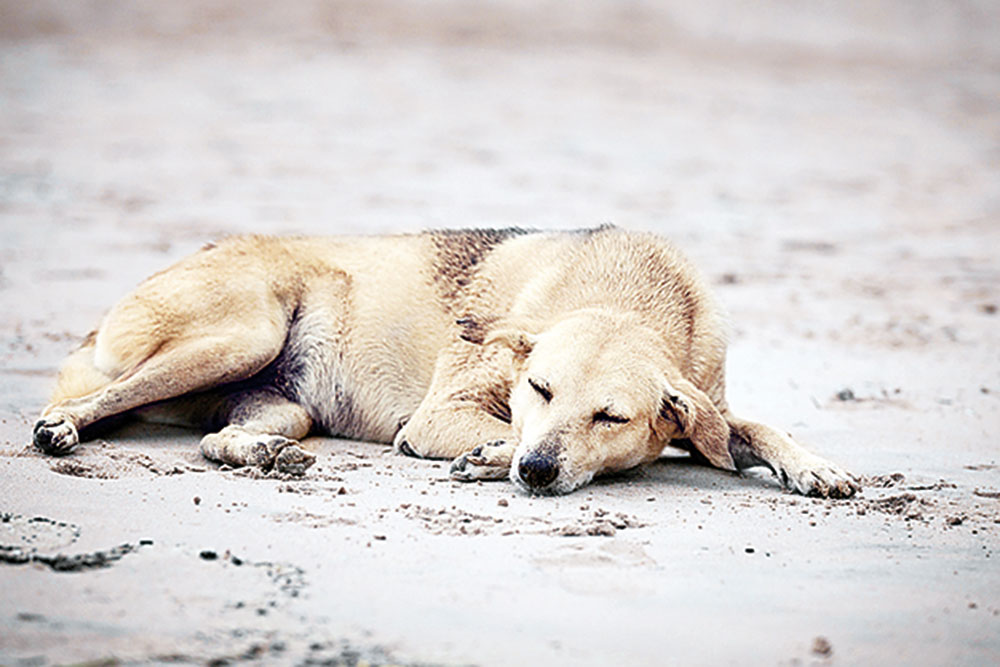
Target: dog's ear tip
695, 417
514, 333
521, 342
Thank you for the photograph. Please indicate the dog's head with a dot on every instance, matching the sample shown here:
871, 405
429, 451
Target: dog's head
596, 392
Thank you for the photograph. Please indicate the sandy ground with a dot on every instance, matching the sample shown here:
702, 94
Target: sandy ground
835, 170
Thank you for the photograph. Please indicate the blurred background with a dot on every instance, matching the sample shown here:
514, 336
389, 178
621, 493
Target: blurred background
730, 117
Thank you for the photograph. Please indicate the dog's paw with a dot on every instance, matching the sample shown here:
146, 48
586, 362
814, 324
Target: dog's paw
55, 434
238, 447
489, 461
263, 451
401, 445
293, 460
815, 476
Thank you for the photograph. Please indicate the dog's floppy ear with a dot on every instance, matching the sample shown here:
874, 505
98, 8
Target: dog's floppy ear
686, 412
515, 333
518, 340
486, 330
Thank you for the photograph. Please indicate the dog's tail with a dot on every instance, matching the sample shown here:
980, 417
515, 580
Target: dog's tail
78, 375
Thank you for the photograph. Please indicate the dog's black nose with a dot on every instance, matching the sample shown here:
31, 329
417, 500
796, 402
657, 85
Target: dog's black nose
537, 470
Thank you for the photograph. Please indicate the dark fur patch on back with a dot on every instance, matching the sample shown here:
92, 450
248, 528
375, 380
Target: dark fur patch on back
592, 231
459, 253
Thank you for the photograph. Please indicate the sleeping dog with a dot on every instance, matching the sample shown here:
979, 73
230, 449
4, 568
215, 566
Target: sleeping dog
547, 358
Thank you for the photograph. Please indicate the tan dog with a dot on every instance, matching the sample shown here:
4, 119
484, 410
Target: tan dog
546, 357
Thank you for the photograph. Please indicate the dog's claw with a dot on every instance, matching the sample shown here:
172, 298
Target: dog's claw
457, 469
404, 448
401, 445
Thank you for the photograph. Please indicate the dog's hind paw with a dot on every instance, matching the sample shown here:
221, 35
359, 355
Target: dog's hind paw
293, 460
262, 453
238, 447
489, 461
56, 435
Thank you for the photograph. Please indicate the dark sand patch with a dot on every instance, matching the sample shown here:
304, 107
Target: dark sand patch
40, 540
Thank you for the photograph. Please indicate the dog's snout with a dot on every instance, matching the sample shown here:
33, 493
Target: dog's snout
537, 470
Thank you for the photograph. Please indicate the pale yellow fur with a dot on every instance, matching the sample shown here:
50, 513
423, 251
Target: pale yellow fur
437, 342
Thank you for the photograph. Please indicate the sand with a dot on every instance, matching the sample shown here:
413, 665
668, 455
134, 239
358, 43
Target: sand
834, 170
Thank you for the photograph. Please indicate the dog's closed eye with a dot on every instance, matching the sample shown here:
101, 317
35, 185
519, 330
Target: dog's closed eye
603, 416
542, 388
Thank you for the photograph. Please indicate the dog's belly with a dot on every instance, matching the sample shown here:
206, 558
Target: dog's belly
361, 381
342, 410
358, 405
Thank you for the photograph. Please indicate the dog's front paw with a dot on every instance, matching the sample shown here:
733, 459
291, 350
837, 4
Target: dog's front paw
489, 461
401, 445
815, 476
56, 434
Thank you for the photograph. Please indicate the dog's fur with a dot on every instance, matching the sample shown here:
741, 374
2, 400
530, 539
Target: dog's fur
546, 357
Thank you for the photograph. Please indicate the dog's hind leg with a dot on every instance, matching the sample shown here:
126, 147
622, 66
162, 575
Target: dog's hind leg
261, 429
752, 445
175, 367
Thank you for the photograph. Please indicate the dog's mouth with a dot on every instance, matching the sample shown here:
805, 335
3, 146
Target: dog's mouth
551, 490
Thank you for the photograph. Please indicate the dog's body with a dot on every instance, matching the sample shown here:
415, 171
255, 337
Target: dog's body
548, 357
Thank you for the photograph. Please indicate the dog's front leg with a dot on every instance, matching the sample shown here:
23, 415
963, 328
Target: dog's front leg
449, 430
482, 446
465, 406
465, 414
752, 444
